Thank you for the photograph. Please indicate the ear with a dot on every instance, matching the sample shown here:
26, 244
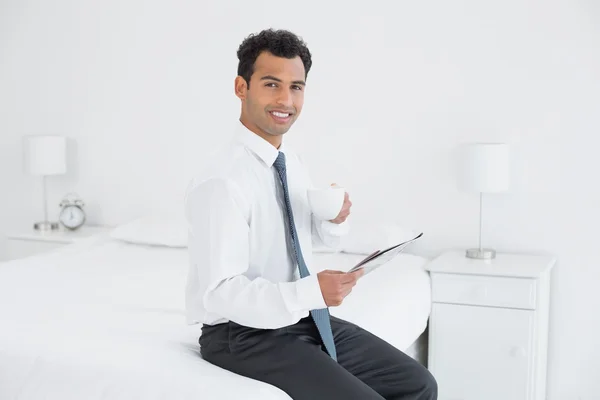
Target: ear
241, 87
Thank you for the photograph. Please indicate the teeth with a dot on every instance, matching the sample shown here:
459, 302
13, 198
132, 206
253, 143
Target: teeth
280, 115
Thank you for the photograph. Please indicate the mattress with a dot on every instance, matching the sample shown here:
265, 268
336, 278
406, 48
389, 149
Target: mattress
104, 319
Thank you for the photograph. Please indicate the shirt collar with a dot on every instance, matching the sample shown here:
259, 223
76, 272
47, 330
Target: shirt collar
259, 146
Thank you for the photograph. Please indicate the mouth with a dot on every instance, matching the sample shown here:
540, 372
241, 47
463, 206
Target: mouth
281, 117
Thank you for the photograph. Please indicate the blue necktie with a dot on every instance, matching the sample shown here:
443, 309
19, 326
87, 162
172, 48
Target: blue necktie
320, 316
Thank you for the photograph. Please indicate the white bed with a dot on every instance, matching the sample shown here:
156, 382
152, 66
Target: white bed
104, 319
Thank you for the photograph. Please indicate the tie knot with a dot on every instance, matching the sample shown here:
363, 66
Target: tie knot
279, 163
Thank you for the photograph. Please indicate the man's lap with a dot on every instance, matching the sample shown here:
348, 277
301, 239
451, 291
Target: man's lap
293, 359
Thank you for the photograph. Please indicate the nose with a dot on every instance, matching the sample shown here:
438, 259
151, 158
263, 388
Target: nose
285, 98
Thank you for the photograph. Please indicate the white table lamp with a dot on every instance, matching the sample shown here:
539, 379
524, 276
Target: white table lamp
484, 168
45, 155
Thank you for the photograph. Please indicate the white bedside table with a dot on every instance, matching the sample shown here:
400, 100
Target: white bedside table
488, 332
29, 242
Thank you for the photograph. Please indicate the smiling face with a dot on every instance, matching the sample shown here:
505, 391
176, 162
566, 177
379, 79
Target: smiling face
273, 100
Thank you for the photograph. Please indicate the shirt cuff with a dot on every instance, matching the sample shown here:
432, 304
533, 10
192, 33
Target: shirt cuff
329, 228
309, 293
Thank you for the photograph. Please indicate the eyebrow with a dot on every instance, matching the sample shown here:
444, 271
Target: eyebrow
272, 78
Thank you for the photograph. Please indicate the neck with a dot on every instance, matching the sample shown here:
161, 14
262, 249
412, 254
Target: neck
273, 140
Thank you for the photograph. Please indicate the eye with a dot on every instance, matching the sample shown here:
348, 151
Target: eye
296, 87
271, 84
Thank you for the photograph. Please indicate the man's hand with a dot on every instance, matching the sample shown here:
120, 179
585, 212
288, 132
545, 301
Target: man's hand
336, 285
345, 211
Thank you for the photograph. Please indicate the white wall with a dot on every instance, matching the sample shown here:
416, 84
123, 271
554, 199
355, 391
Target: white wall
144, 89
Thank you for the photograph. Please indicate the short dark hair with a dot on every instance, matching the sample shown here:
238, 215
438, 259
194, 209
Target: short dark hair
280, 43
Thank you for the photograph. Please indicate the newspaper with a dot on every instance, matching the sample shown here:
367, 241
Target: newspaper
380, 257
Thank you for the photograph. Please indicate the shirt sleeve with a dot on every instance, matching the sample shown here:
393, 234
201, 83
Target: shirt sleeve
220, 232
324, 233
328, 234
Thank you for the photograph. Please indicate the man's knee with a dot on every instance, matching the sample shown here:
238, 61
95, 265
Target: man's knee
423, 383
429, 387
416, 383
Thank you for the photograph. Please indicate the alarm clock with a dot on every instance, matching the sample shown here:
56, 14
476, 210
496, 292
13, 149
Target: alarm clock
71, 215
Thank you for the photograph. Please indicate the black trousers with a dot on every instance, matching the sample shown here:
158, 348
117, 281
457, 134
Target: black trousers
294, 360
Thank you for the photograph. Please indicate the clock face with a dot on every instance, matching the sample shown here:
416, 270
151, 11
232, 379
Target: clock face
72, 217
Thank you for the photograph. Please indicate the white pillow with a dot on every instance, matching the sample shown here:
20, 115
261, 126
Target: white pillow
368, 236
155, 229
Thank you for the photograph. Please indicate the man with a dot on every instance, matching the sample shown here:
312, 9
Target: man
263, 308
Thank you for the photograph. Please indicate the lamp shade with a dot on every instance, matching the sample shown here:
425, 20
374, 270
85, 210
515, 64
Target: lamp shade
45, 155
484, 167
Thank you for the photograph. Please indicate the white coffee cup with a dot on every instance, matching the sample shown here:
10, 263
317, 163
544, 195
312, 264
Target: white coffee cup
326, 203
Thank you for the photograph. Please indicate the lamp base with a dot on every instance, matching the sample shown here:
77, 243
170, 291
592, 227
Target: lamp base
481, 254
45, 226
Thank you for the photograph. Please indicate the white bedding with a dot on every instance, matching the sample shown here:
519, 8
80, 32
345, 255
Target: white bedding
104, 320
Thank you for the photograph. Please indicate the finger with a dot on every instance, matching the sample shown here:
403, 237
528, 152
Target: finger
340, 219
349, 278
358, 274
332, 271
347, 287
352, 277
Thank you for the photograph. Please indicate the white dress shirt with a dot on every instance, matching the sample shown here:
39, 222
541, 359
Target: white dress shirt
242, 266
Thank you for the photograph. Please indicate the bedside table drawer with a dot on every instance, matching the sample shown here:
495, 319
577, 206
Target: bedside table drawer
484, 290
